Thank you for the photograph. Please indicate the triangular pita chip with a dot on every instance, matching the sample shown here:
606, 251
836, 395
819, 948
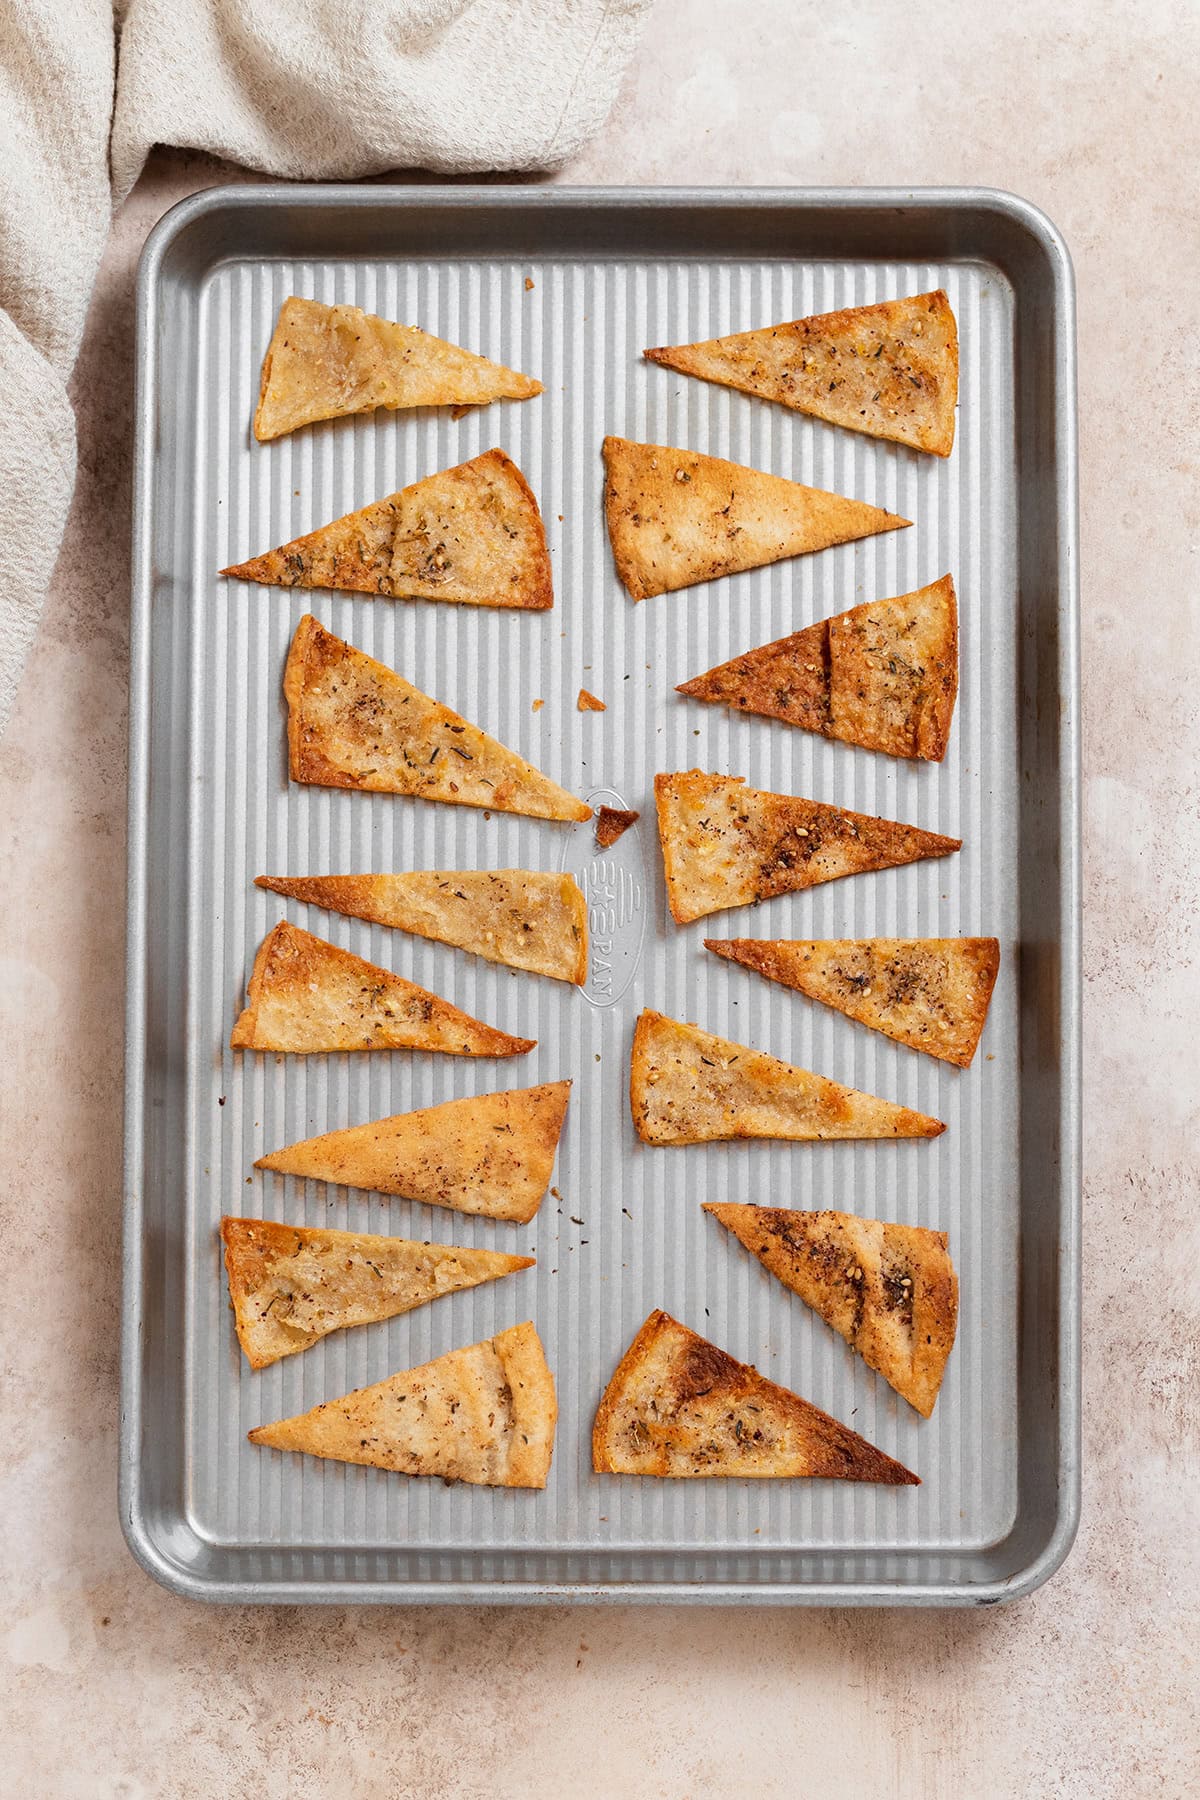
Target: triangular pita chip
520, 917
675, 517
890, 370
613, 822
883, 675
471, 534
290, 1285
326, 361
492, 1154
930, 993
677, 1406
687, 1086
485, 1415
890, 1290
355, 723
725, 844
305, 995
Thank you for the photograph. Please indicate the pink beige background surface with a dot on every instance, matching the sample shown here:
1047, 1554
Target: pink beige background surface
110, 1686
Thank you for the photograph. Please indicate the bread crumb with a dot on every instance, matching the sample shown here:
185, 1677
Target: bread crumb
589, 703
529, 284
538, 705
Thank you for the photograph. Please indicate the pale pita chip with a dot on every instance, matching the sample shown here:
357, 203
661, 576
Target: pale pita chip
306, 996
291, 1285
680, 1407
890, 369
675, 517
687, 1086
725, 844
326, 361
519, 917
883, 675
472, 534
491, 1155
890, 1290
355, 723
484, 1415
930, 993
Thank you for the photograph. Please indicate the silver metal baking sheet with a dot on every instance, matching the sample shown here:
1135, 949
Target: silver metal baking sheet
571, 285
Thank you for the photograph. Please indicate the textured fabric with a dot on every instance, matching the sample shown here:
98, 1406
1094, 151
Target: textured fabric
305, 89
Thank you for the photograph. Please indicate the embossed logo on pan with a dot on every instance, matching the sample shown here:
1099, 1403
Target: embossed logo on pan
614, 886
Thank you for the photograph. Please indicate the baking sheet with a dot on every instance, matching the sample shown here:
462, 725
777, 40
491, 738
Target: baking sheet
211, 807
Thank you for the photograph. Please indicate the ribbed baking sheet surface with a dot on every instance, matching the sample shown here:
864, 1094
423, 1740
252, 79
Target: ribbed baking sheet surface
624, 1232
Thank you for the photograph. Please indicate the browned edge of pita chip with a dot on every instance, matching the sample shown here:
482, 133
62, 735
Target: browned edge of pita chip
611, 823
740, 1401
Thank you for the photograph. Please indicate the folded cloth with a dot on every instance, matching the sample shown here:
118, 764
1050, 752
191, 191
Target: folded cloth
306, 89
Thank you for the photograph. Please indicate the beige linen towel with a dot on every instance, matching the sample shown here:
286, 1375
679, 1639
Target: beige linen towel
306, 89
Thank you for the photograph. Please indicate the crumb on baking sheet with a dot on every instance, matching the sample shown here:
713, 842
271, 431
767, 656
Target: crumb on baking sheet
589, 702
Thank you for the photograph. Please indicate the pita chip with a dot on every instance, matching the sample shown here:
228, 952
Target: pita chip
675, 517
355, 723
472, 534
687, 1086
324, 362
613, 822
890, 1290
291, 1285
883, 675
484, 1415
890, 370
491, 1155
929, 993
680, 1407
305, 996
519, 917
725, 844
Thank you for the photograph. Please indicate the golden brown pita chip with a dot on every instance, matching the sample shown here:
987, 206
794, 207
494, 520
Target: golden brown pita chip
472, 534
491, 1155
883, 675
890, 370
305, 995
589, 703
611, 823
675, 518
519, 917
687, 1086
930, 993
485, 1415
890, 1290
355, 723
326, 361
291, 1285
677, 1406
725, 844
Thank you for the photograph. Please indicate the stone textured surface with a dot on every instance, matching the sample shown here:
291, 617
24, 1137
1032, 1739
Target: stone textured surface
111, 1686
